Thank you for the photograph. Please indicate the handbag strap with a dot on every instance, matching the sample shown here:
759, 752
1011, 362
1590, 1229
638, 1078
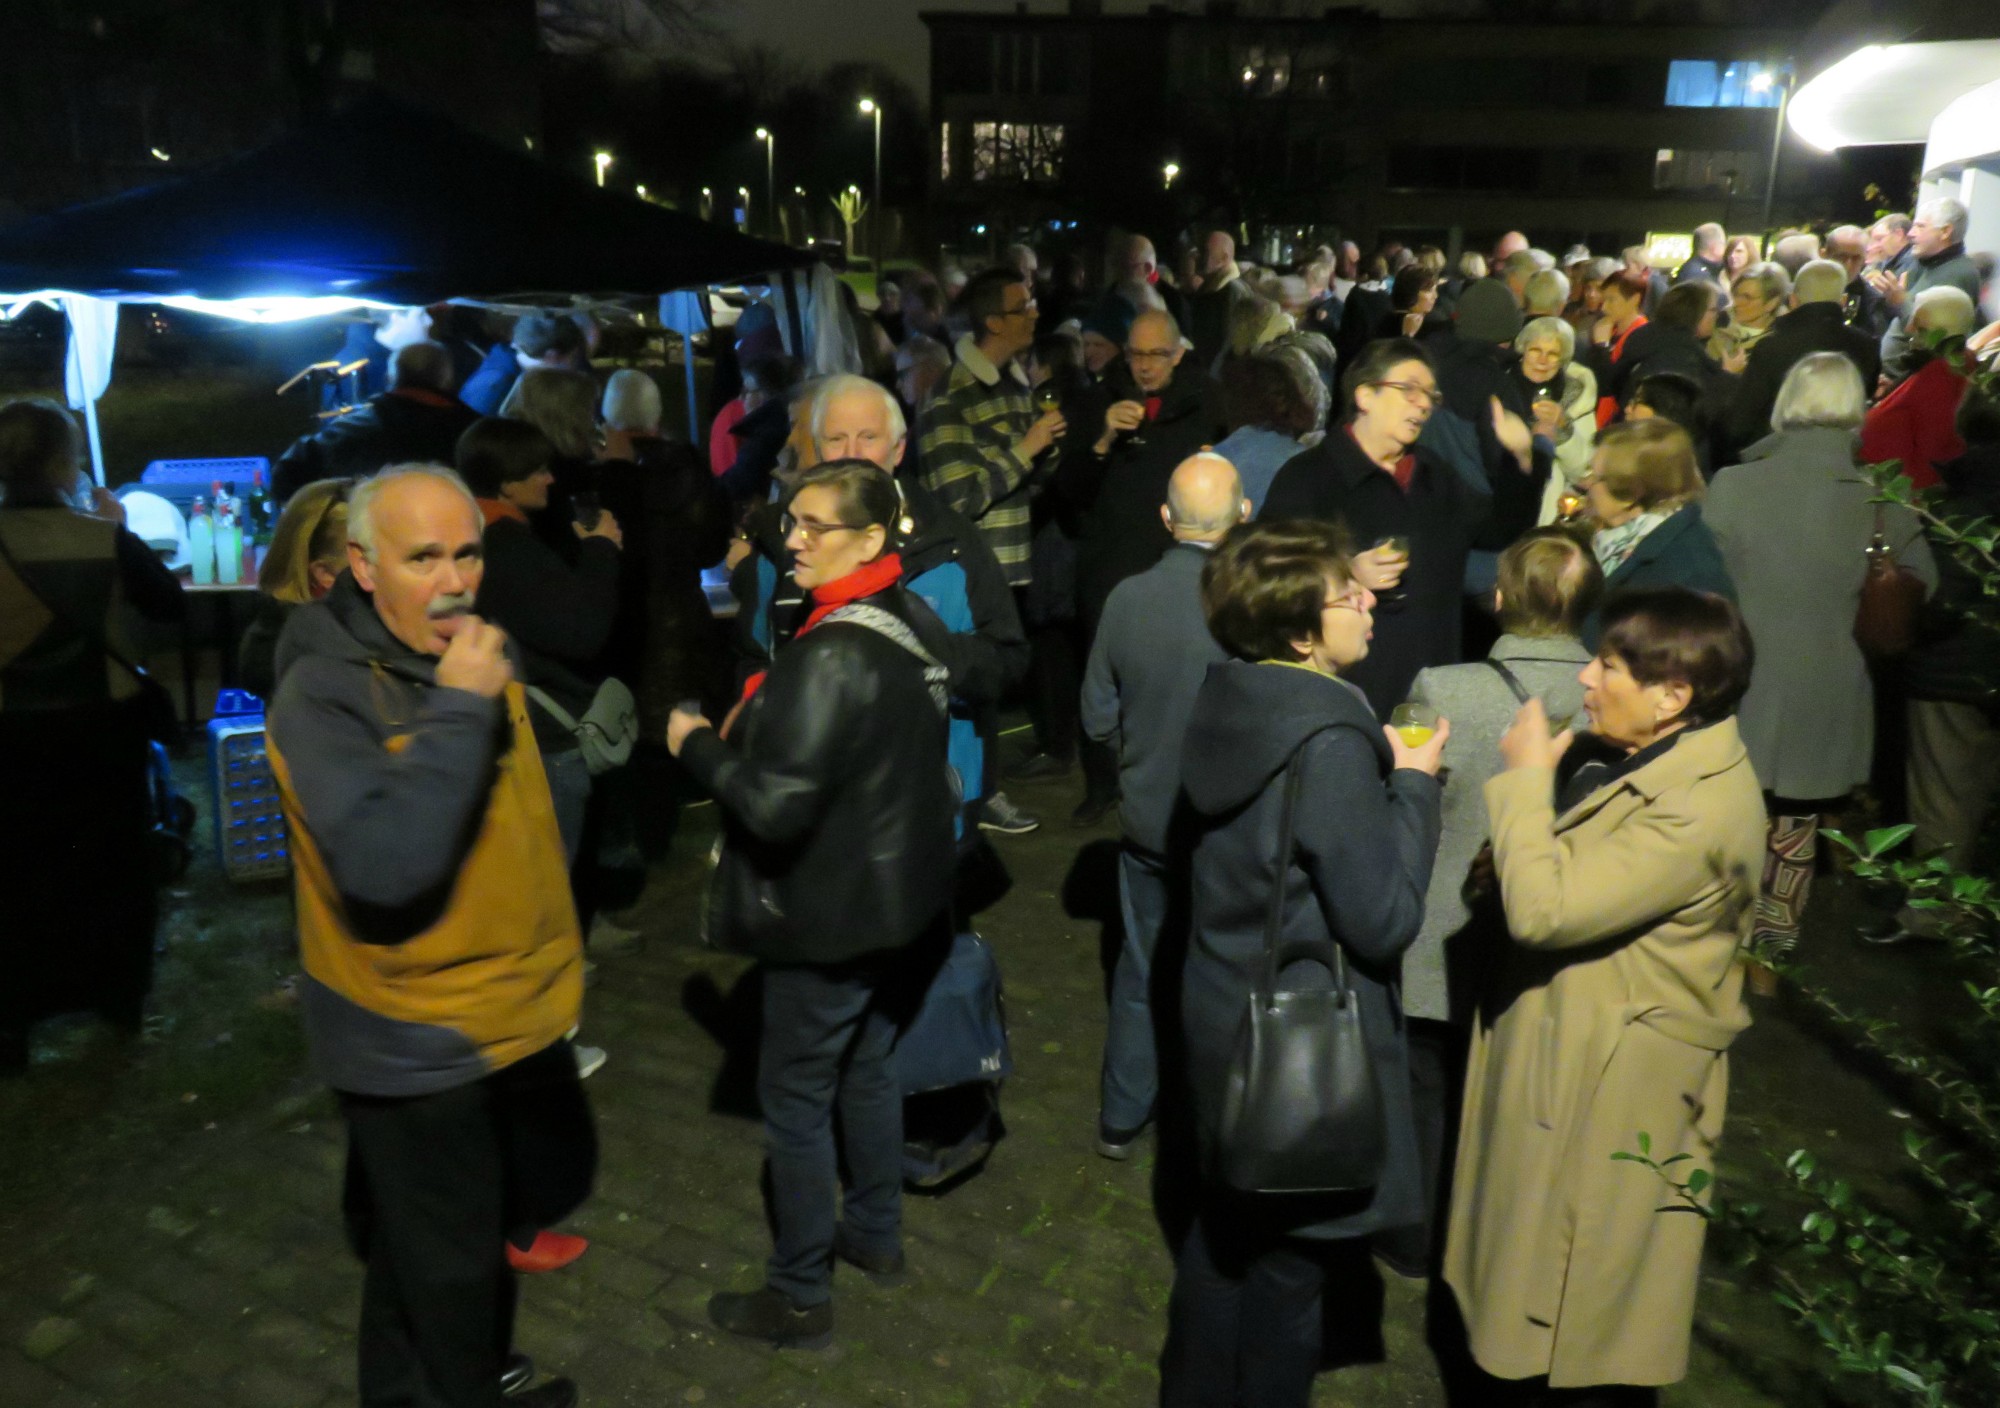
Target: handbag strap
1274, 912
64, 618
1513, 680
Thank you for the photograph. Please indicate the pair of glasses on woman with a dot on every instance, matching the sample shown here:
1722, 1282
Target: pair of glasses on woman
811, 530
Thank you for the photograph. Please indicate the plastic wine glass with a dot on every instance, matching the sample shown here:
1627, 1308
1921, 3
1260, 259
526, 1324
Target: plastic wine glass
1415, 724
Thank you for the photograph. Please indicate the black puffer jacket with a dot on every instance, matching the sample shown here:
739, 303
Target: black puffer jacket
836, 804
412, 426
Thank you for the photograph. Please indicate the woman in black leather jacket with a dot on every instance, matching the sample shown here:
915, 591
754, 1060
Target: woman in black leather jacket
1244, 1322
836, 869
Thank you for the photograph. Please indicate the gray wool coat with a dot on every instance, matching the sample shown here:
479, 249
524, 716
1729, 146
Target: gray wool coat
1793, 523
1480, 707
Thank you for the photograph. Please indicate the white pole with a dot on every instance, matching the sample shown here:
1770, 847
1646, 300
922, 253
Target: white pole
96, 446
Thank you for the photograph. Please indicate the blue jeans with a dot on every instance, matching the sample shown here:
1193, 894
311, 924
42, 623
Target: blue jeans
828, 1034
569, 789
1131, 1077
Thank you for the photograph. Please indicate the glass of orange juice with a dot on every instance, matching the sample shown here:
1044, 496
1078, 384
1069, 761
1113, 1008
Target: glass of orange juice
1415, 724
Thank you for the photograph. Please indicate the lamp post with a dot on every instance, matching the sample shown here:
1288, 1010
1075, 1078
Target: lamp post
707, 203
744, 192
602, 160
870, 107
1170, 170
770, 168
1762, 84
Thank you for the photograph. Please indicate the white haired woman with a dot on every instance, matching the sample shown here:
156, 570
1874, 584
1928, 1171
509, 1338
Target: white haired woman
1914, 423
1562, 394
1809, 718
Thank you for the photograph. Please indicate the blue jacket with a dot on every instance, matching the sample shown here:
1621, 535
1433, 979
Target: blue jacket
1679, 553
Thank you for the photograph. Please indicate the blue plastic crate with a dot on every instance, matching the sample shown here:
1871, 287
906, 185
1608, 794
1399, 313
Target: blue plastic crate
250, 837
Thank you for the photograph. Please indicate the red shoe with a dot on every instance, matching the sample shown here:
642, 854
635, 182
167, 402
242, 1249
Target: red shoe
551, 1251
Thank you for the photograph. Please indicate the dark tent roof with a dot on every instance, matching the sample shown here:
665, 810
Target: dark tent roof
379, 201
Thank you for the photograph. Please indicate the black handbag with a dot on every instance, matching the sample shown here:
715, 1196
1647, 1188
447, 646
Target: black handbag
1302, 1108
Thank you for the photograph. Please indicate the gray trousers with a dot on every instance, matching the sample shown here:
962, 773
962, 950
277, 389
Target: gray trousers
1954, 775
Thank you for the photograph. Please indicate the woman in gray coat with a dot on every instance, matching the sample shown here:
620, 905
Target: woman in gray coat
1548, 583
1793, 521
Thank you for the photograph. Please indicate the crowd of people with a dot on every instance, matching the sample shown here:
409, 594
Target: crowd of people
1404, 610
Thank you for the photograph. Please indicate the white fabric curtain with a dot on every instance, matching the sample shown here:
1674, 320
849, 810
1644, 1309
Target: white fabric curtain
93, 336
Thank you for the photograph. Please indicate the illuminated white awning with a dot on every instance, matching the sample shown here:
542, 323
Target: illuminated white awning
1888, 94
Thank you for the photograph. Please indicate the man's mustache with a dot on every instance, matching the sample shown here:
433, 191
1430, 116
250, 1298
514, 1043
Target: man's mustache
443, 608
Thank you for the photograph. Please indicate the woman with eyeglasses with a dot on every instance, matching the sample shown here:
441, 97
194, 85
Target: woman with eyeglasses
835, 872
1643, 499
1413, 517
1245, 1321
308, 550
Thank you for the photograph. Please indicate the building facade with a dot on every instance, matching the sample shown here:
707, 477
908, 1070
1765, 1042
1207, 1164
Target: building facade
1447, 131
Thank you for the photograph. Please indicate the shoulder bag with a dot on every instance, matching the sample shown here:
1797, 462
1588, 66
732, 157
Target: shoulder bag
1302, 1109
1885, 625
608, 729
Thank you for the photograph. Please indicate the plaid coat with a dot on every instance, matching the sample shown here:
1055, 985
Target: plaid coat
967, 440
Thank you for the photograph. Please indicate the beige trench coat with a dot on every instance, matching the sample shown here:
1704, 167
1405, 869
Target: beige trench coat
1621, 1000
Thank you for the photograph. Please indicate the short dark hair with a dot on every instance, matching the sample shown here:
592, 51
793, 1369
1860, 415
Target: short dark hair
539, 334
1409, 285
1673, 396
1548, 583
1685, 305
868, 493
985, 296
41, 451
1260, 390
1670, 635
775, 375
1376, 361
495, 450
426, 365
1264, 585
1629, 282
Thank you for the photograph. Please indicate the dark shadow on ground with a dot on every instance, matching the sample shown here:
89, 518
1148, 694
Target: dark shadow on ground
735, 1020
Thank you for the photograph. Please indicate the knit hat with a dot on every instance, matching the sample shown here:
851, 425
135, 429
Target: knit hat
757, 334
1111, 318
1488, 313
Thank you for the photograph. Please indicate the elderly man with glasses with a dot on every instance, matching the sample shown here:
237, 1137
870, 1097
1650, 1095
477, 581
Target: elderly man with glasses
1410, 516
1161, 410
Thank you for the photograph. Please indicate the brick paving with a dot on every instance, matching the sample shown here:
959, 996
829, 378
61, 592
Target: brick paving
209, 1270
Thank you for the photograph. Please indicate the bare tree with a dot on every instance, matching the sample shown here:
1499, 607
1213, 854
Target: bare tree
656, 28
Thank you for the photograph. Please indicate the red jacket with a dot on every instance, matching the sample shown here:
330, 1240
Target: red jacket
1914, 423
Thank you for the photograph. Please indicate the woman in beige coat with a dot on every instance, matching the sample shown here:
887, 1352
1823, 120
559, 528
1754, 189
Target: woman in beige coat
1629, 878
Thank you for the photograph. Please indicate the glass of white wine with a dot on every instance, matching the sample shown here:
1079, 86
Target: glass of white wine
1415, 724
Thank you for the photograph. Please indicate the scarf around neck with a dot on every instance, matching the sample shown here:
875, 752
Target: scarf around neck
1614, 545
866, 580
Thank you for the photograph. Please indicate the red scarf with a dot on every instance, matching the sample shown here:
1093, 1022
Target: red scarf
493, 510
864, 581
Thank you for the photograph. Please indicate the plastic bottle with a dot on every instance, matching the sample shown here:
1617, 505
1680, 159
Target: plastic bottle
228, 538
201, 542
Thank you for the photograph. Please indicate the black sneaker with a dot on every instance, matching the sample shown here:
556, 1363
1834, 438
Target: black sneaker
883, 1269
519, 1373
999, 814
1117, 1143
769, 1315
1092, 810
1037, 766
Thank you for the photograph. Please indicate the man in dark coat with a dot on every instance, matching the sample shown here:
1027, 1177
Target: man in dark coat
1816, 323
1163, 412
1215, 303
416, 421
1705, 263
1939, 260
1373, 476
549, 340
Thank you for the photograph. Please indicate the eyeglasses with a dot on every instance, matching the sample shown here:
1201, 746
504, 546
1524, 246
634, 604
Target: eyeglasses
1140, 354
1349, 601
811, 530
1413, 391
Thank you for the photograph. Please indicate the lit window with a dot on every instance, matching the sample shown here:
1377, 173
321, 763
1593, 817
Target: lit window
1017, 151
1706, 83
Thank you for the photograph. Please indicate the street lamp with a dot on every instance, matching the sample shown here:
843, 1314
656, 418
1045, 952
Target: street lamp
603, 162
641, 189
1761, 83
1170, 170
744, 192
770, 167
707, 203
871, 108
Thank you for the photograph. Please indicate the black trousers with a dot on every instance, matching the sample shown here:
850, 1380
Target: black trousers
435, 1184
